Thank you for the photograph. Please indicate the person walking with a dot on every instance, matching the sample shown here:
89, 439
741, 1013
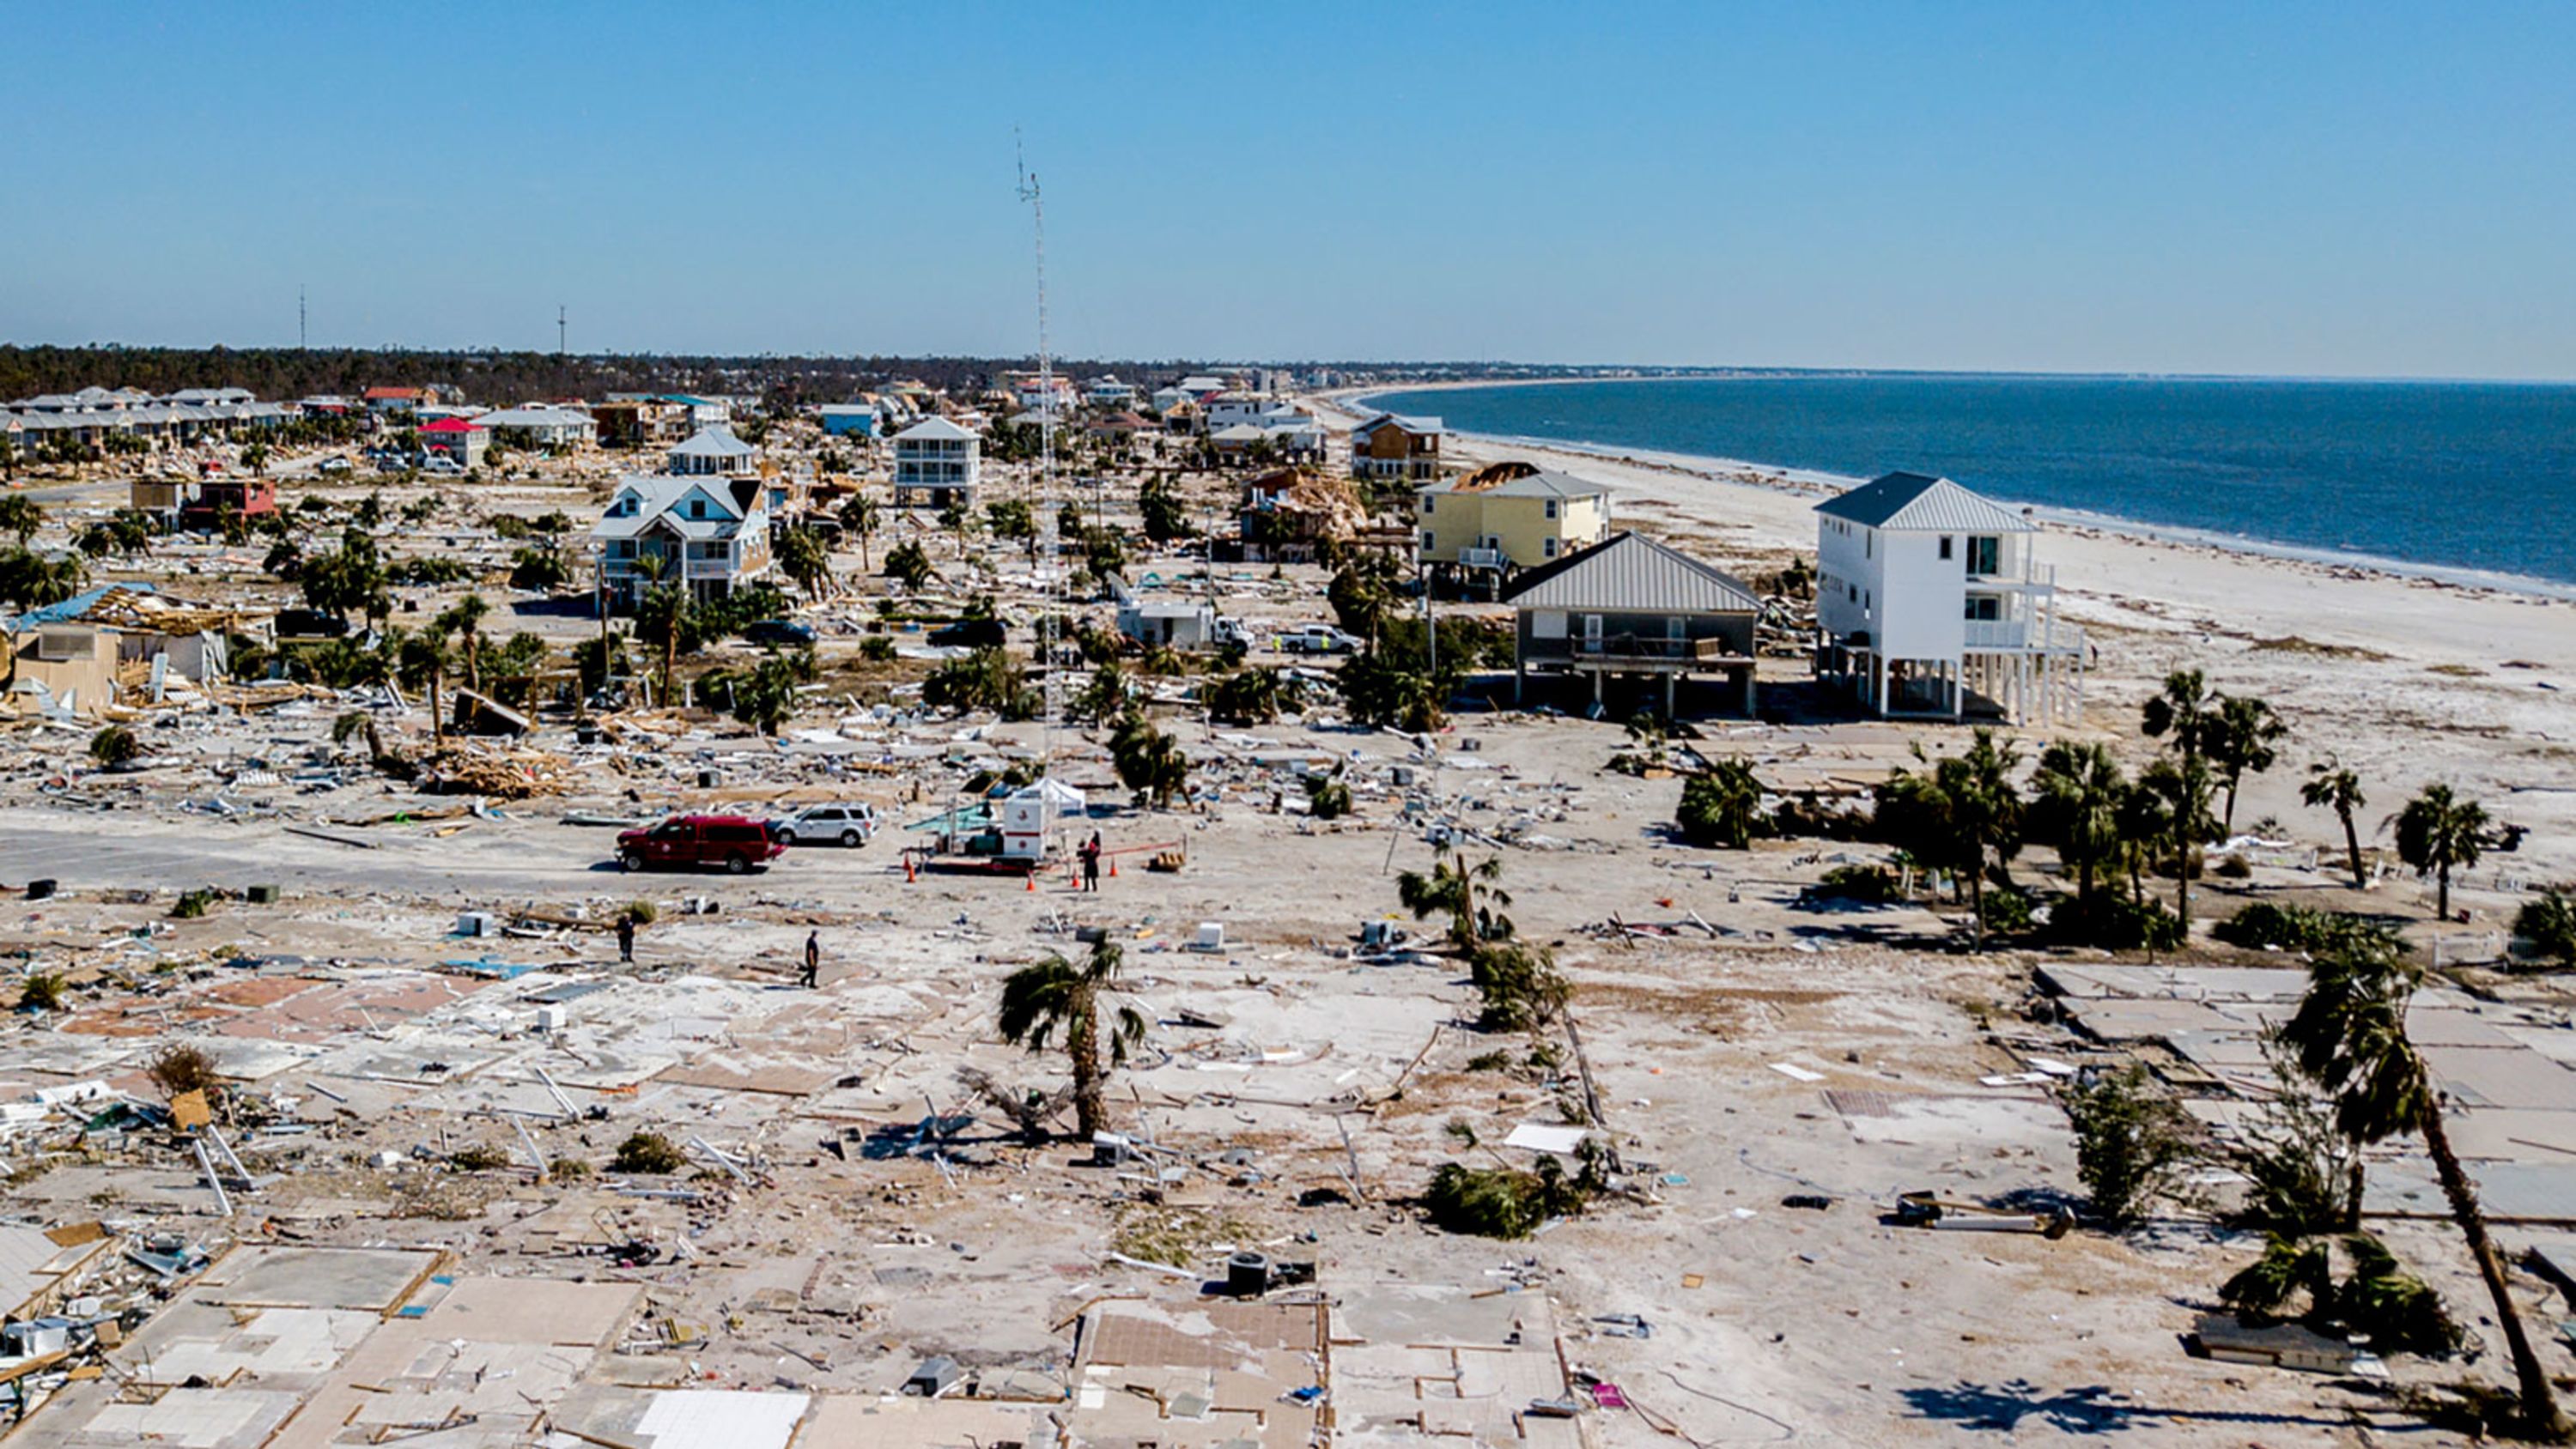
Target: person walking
1091, 862
813, 958
626, 937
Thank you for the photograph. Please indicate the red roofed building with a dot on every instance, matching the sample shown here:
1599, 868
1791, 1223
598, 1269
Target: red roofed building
462, 439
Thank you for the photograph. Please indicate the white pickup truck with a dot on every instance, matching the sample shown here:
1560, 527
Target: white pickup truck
1317, 639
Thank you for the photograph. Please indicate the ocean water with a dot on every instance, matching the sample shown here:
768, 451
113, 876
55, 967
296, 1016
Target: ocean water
2478, 476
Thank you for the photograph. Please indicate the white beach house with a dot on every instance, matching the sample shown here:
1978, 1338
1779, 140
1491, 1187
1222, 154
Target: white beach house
1930, 604
937, 462
706, 531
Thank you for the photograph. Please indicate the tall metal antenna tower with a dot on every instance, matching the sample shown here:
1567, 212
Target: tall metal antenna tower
560, 333
1053, 563
302, 340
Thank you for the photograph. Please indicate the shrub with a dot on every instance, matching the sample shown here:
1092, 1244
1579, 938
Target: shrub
1499, 1202
2549, 924
647, 1152
114, 745
481, 1157
1519, 983
538, 570
568, 1169
986, 679
181, 1068
1327, 798
192, 904
877, 649
2132, 1144
2008, 910
1721, 808
2298, 928
2113, 922
1866, 884
642, 913
42, 991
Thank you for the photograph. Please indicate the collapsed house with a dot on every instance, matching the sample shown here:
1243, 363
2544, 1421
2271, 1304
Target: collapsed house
80, 656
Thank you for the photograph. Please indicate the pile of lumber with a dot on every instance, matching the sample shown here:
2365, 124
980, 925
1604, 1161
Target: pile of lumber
498, 774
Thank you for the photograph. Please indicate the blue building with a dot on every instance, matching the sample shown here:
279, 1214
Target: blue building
849, 420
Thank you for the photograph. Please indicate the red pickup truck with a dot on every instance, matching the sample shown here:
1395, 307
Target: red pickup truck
735, 842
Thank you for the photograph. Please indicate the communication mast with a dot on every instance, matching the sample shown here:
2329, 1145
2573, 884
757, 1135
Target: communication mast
1051, 580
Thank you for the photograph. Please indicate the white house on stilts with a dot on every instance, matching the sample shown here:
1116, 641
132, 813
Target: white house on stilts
1929, 604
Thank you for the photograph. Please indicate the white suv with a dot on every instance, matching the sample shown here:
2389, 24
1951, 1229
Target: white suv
849, 823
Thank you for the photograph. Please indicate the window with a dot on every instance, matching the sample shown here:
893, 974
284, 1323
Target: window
1547, 546
1984, 606
1868, 543
1851, 593
1945, 545
1427, 544
1551, 508
1985, 555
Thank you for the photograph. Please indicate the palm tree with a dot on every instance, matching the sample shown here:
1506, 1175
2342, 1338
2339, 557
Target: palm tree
2080, 789
661, 615
2436, 832
21, 516
2350, 1035
801, 557
464, 618
1055, 995
1451, 887
859, 519
424, 661
2332, 787
2182, 789
2144, 823
1985, 811
2240, 740
2186, 710
909, 566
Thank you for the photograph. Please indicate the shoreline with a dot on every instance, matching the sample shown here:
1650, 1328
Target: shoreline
1742, 472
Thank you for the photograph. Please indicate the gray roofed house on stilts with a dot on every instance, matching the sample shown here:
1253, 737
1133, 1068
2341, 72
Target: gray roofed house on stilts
1631, 609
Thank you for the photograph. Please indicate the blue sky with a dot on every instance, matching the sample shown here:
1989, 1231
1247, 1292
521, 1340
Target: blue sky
2345, 188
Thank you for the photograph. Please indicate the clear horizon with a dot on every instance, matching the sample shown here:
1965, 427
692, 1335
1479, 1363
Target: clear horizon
2311, 191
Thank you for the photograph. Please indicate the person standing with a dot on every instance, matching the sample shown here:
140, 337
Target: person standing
813, 958
626, 937
1091, 862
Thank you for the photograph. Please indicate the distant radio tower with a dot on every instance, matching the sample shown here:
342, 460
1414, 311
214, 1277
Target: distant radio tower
560, 333
1046, 468
302, 341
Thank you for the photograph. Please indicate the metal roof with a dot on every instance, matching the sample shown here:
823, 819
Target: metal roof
1920, 501
713, 442
1629, 573
934, 428
1535, 485
1410, 425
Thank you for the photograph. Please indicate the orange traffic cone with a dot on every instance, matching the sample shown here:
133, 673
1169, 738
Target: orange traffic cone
1032, 879
907, 870
1113, 867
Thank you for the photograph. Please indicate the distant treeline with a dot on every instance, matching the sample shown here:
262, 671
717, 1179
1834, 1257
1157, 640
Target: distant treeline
286, 373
